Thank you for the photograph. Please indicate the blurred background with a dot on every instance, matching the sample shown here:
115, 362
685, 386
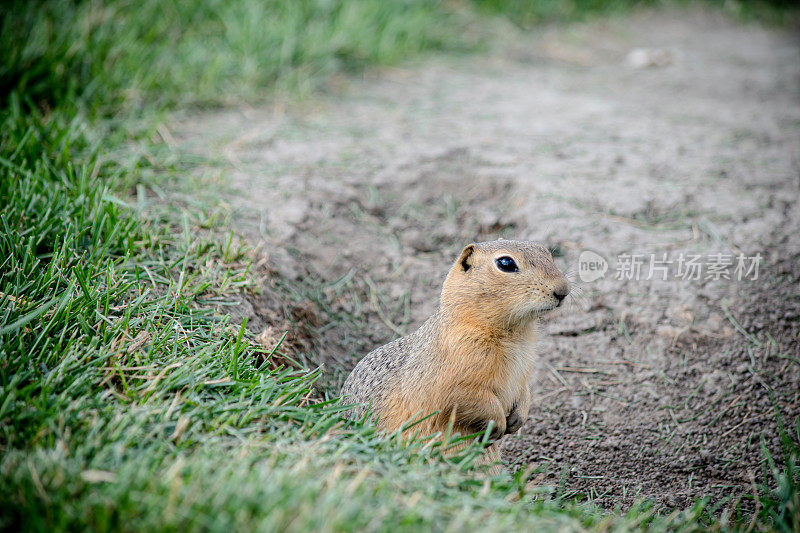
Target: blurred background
154, 53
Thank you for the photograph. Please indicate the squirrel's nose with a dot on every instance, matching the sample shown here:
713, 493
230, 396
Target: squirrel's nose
561, 292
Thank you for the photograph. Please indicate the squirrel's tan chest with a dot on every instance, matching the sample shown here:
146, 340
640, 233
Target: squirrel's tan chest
469, 370
519, 366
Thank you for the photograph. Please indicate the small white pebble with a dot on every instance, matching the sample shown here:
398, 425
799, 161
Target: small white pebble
650, 57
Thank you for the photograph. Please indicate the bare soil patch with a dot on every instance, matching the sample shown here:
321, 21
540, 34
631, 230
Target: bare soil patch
646, 388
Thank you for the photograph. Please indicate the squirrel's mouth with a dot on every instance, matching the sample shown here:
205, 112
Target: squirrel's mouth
533, 310
543, 309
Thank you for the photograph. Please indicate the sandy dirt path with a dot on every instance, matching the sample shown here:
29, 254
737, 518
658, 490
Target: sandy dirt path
644, 388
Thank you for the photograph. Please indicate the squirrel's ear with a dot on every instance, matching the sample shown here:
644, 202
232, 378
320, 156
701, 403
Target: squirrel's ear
466, 257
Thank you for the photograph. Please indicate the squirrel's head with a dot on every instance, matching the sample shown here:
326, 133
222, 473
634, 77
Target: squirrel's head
504, 283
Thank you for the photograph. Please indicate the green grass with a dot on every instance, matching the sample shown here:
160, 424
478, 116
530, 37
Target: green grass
132, 54
127, 400
527, 13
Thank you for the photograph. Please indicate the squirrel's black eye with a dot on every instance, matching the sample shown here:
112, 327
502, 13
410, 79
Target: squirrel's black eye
506, 264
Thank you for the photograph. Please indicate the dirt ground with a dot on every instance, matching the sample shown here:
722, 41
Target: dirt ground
361, 199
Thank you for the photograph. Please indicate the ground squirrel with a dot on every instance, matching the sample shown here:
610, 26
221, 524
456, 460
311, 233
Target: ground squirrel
471, 361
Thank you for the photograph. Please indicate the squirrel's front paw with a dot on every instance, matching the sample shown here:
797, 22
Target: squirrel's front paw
480, 426
497, 433
514, 420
